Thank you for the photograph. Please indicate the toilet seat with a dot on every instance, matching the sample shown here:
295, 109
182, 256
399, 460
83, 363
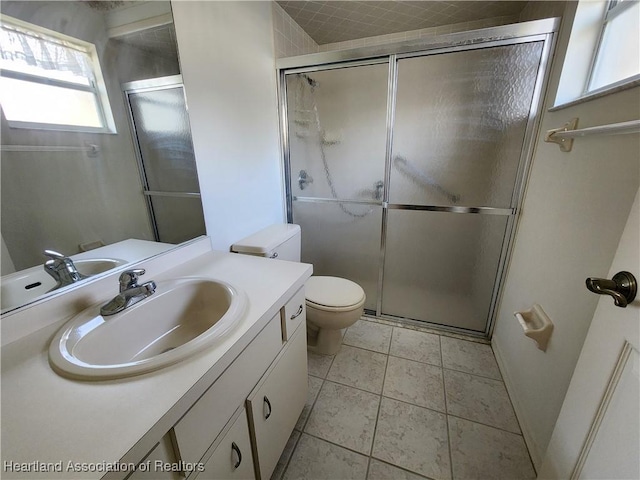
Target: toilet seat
333, 294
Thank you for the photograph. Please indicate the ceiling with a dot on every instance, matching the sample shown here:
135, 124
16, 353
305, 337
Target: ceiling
338, 21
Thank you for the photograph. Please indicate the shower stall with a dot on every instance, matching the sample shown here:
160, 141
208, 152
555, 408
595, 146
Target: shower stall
405, 166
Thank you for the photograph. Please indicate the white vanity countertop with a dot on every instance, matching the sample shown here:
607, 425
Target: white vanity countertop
48, 418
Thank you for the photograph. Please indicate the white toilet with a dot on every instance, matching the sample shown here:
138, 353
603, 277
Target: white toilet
333, 303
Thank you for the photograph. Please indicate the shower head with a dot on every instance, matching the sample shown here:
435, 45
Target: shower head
312, 83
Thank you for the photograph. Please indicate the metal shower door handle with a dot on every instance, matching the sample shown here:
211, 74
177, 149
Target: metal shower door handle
622, 287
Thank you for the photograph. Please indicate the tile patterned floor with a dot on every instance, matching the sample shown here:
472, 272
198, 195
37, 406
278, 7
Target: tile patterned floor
401, 404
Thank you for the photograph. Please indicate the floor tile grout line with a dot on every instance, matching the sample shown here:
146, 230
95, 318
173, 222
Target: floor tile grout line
414, 360
446, 408
375, 428
484, 424
369, 457
404, 469
472, 374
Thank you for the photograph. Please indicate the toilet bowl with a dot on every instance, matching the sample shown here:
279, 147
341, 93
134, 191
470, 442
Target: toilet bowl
333, 303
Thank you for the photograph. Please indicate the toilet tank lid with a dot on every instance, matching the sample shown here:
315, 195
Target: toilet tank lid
266, 239
333, 291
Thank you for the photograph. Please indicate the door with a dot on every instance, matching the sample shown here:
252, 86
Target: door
162, 138
597, 434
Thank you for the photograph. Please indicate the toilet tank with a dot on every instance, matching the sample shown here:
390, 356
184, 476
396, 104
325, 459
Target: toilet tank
281, 241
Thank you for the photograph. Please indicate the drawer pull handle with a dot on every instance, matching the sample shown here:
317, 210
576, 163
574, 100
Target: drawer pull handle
268, 414
235, 448
297, 314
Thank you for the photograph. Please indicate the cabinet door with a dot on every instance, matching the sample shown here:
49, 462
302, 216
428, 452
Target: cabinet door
157, 465
276, 403
231, 459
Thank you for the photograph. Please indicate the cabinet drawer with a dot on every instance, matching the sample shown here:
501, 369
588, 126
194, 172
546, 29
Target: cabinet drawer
294, 313
276, 403
231, 459
197, 430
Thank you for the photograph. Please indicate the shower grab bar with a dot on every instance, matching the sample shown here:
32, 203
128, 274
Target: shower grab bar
565, 135
407, 168
337, 200
156, 193
425, 208
91, 149
453, 209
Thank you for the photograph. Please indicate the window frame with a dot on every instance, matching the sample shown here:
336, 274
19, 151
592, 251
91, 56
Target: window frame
610, 12
97, 85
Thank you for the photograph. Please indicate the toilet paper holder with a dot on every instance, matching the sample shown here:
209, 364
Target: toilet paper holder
536, 325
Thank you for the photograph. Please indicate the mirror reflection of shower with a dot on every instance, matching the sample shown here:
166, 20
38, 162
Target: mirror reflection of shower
309, 127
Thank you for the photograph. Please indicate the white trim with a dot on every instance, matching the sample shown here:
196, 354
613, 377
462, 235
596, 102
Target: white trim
98, 87
534, 449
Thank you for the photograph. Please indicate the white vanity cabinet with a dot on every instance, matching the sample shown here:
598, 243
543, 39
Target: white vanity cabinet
274, 406
269, 379
231, 457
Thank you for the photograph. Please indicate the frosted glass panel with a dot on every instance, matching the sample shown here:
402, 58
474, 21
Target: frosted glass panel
460, 124
178, 219
337, 131
164, 137
441, 267
342, 240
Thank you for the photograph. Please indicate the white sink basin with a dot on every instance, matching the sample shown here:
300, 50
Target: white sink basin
27, 285
181, 318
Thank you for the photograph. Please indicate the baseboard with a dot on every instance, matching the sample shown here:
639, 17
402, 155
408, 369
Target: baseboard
534, 449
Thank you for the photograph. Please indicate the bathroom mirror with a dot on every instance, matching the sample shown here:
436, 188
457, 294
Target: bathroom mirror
92, 155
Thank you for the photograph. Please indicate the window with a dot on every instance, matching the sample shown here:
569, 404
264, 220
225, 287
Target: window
617, 58
603, 52
50, 81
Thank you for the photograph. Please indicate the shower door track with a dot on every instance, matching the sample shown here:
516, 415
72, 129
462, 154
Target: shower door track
539, 30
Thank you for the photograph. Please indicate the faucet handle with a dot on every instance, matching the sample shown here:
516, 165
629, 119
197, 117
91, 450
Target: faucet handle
129, 278
53, 255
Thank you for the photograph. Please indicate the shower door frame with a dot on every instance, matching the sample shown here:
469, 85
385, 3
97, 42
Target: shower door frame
539, 30
141, 86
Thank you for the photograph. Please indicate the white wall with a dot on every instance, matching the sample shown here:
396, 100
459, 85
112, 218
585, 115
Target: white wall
574, 212
227, 58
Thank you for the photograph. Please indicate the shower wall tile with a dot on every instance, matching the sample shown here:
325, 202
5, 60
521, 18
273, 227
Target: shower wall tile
479, 399
478, 451
289, 37
416, 34
542, 9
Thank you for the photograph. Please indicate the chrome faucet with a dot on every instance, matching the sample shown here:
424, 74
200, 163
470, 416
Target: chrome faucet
62, 269
130, 292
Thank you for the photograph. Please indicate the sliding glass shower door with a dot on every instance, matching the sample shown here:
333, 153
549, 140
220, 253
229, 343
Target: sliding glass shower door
460, 122
162, 138
337, 138
405, 175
